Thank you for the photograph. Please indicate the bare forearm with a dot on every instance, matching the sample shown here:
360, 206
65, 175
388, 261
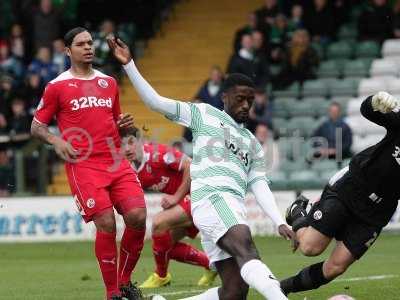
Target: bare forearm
184, 188
41, 131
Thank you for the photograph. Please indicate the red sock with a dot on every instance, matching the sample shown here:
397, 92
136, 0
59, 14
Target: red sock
106, 253
188, 254
130, 248
162, 244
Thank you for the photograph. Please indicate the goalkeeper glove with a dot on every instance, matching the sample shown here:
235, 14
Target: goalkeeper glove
384, 102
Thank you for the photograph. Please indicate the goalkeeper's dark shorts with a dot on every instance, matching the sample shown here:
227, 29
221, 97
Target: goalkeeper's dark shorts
333, 219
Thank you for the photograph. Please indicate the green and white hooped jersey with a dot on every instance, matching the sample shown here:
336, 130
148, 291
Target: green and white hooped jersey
227, 158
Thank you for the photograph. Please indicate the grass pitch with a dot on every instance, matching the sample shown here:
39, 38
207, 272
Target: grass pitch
49, 271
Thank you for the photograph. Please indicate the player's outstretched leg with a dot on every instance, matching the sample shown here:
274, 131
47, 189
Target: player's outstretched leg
314, 276
238, 242
106, 251
130, 249
189, 254
166, 246
328, 218
162, 244
233, 286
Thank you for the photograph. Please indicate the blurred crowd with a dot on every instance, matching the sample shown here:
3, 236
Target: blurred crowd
280, 46
32, 54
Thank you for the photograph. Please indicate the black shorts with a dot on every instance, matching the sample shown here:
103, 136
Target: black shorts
332, 218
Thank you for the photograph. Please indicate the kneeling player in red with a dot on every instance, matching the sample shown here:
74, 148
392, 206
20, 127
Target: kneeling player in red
164, 169
85, 103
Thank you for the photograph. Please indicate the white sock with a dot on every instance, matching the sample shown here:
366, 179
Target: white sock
257, 275
211, 294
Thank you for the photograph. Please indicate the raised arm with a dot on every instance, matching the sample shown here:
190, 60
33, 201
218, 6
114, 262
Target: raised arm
258, 184
173, 109
382, 109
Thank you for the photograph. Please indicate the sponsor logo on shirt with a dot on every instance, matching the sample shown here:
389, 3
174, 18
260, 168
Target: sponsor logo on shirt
89, 102
161, 185
241, 154
169, 158
102, 83
90, 203
375, 198
235, 146
317, 215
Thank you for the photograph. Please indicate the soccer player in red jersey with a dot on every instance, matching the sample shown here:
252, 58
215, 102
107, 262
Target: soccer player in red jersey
86, 105
164, 169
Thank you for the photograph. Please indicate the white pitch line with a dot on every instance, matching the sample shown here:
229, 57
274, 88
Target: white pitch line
176, 293
376, 277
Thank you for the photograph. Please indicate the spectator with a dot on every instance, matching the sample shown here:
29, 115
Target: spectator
320, 22
43, 65
271, 150
3, 124
247, 62
375, 22
396, 20
46, 22
8, 63
7, 93
266, 15
17, 42
246, 29
341, 11
60, 58
19, 121
299, 61
103, 57
211, 91
279, 32
296, 19
6, 174
260, 46
327, 131
7, 16
32, 91
177, 145
261, 110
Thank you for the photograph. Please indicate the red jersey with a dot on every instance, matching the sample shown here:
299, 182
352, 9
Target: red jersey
161, 168
86, 111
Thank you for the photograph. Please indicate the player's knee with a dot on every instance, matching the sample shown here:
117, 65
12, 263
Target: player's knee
334, 269
246, 252
136, 218
105, 221
310, 250
158, 225
242, 248
107, 225
235, 293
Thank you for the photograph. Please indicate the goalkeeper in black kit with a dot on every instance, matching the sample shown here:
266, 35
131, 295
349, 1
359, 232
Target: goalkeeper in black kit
355, 205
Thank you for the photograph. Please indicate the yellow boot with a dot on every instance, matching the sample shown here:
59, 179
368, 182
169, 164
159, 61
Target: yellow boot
155, 281
208, 278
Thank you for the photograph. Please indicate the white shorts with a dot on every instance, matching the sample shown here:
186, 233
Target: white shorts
213, 217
